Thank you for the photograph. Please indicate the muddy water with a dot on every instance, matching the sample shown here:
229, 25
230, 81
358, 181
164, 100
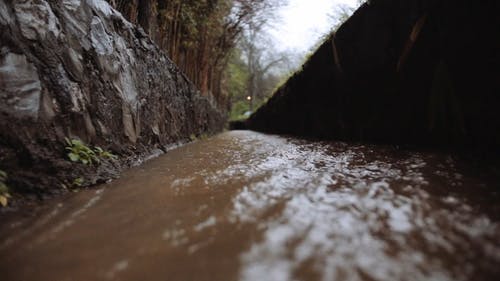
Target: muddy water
248, 206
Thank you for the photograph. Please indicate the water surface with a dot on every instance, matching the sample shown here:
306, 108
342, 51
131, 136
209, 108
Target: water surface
248, 206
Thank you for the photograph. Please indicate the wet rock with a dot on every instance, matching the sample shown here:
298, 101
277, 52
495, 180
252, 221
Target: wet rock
73, 64
78, 69
101, 41
20, 85
5, 17
36, 19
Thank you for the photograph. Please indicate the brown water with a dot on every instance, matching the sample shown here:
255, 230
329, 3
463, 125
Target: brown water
249, 206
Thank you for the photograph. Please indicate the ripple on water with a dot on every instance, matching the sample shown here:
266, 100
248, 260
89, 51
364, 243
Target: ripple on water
344, 216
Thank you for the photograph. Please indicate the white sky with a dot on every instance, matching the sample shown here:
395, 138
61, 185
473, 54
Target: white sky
303, 22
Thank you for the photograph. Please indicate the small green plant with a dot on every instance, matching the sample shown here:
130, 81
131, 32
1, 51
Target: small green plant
4, 189
78, 182
104, 154
79, 152
193, 137
74, 185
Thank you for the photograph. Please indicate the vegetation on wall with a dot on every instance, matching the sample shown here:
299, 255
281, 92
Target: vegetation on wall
198, 35
81, 153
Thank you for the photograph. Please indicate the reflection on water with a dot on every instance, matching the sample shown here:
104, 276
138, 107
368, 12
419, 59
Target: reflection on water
248, 206
351, 213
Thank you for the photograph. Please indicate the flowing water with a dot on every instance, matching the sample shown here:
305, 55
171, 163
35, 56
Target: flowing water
248, 206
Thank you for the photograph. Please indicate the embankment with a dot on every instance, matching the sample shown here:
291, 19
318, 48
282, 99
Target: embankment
77, 69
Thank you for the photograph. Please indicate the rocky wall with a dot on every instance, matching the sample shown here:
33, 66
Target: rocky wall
78, 69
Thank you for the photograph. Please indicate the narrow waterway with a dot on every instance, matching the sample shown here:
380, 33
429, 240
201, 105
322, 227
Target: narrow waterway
248, 206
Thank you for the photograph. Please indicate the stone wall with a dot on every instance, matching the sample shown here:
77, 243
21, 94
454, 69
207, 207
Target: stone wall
78, 69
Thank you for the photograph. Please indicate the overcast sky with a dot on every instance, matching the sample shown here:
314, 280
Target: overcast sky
302, 23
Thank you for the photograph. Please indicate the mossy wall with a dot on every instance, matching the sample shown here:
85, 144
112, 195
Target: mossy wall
406, 72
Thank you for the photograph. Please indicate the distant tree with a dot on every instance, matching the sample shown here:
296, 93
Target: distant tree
236, 81
342, 12
260, 58
198, 35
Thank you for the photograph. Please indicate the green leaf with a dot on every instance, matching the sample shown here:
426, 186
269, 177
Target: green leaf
77, 142
3, 188
78, 182
3, 175
3, 201
73, 157
79, 152
107, 154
